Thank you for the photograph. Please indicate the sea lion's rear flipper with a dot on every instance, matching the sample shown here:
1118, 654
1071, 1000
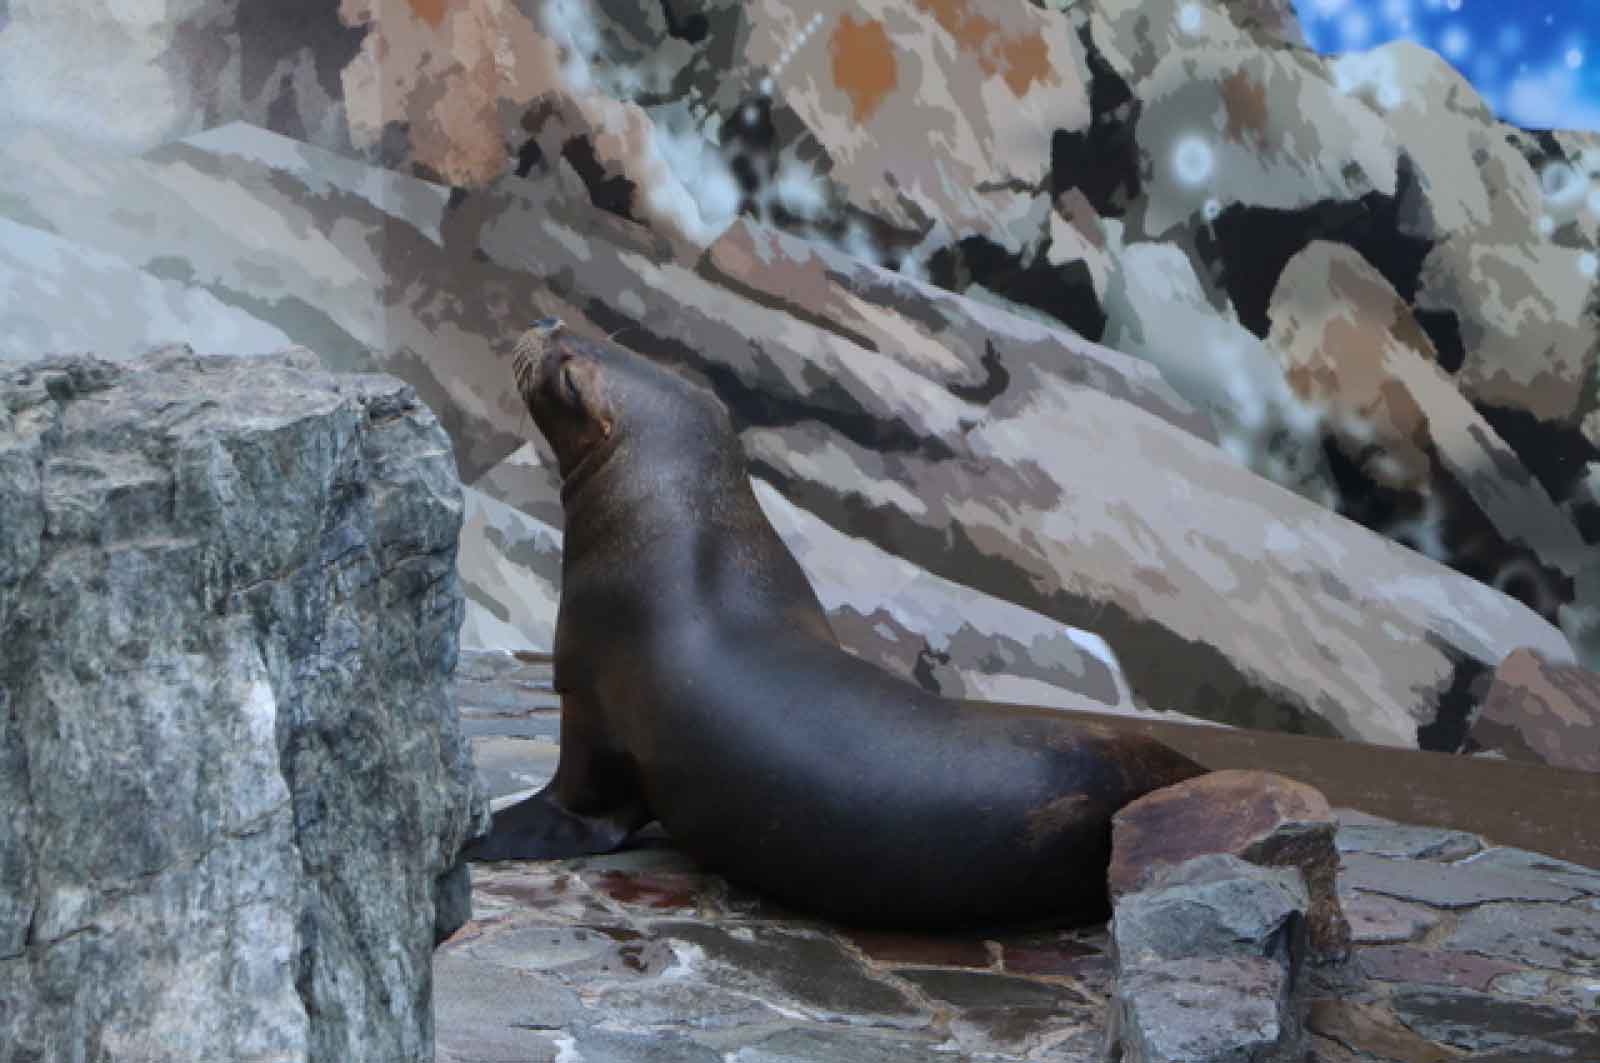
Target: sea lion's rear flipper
540, 828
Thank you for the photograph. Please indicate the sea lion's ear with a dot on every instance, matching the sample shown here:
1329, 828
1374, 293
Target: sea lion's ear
580, 378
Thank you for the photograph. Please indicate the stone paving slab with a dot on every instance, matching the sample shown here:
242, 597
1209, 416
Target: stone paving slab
1465, 951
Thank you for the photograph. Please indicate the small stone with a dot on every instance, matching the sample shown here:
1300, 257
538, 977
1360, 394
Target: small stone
682, 1003
831, 1044
1416, 843
973, 989
579, 952
654, 891
1375, 919
795, 970
1432, 967
1578, 993
930, 950
1066, 958
484, 1011
1447, 885
1208, 956
1372, 1028
1521, 861
1539, 935
1011, 1028
1263, 818
1480, 1021
1201, 1010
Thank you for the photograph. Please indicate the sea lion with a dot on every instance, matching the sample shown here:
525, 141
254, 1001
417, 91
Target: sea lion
702, 687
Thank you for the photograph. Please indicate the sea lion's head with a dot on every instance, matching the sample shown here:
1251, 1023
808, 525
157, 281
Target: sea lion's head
590, 399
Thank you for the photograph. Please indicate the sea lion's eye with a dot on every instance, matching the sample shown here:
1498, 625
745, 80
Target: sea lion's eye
568, 385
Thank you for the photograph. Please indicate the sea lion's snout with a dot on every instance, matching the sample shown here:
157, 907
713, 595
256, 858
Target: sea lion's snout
533, 348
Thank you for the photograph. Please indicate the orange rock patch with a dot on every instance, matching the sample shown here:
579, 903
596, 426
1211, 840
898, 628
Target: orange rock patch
1021, 59
430, 11
863, 64
1245, 101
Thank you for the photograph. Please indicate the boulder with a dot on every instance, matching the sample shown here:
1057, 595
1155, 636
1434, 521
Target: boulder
950, 639
1526, 313
235, 780
1350, 346
1465, 174
1260, 129
1542, 712
1158, 309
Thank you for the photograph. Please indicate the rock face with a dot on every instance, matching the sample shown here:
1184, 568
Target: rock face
234, 776
881, 405
907, 326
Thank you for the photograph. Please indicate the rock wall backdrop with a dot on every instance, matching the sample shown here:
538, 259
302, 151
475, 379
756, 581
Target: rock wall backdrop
1128, 356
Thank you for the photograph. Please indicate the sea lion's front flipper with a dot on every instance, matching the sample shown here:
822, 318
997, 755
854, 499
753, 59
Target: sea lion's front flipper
591, 806
540, 828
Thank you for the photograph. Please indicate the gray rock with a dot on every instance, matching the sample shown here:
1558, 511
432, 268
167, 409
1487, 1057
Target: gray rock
1209, 906
1158, 309
228, 613
1208, 960
1228, 1009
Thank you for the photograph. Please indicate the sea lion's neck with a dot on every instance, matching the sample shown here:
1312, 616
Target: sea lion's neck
588, 468
618, 502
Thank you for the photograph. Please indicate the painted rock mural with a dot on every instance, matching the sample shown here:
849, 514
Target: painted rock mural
1129, 356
